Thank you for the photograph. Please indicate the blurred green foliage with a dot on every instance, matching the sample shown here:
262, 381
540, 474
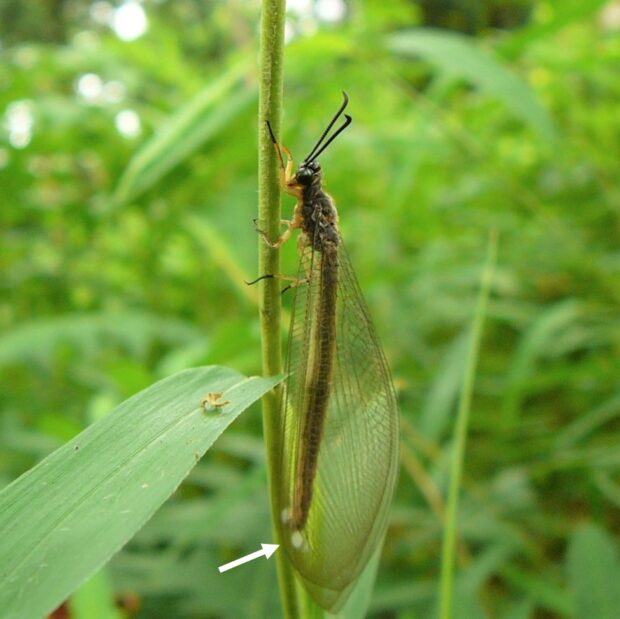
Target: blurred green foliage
127, 196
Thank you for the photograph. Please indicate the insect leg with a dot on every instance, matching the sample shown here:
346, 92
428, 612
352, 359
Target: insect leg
295, 281
286, 170
302, 243
291, 224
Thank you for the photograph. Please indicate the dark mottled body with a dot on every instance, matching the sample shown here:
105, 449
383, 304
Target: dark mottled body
320, 226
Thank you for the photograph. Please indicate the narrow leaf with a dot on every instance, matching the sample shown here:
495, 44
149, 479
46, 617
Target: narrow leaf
439, 403
67, 516
458, 56
357, 605
533, 345
95, 599
564, 13
594, 573
38, 340
447, 589
200, 120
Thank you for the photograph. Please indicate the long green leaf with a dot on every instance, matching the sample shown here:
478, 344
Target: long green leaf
460, 57
447, 592
564, 13
67, 516
208, 113
95, 599
594, 572
540, 589
587, 423
357, 605
38, 340
533, 345
444, 391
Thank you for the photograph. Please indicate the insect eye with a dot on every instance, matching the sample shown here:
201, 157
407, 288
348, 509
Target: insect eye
304, 176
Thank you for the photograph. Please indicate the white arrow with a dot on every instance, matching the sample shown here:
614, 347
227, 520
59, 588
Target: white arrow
267, 551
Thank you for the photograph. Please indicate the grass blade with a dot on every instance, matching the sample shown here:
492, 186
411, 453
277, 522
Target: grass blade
37, 341
206, 115
594, 571
535, 342
479, 67
460, 438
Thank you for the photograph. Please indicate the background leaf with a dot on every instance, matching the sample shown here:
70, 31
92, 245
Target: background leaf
594, 572
95, 599
201, 119
462, 58
38, 340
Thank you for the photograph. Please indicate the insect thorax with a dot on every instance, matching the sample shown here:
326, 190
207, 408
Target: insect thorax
320, 219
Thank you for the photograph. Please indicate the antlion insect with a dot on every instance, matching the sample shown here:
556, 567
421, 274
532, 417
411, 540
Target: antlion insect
340, 419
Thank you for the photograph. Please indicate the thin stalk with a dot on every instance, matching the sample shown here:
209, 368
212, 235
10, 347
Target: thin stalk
270, 108
460, 437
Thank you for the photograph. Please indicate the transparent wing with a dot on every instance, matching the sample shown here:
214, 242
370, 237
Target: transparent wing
357, 460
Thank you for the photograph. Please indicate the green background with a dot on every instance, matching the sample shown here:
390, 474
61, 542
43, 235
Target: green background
123, 257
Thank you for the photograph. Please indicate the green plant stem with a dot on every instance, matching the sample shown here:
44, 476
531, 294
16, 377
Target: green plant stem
270, 108
460, 438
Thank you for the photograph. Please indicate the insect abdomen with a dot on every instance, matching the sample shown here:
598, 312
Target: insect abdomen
318, 385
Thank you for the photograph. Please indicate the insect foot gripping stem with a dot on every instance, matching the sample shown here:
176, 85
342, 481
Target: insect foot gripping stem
295, 281
282, 238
